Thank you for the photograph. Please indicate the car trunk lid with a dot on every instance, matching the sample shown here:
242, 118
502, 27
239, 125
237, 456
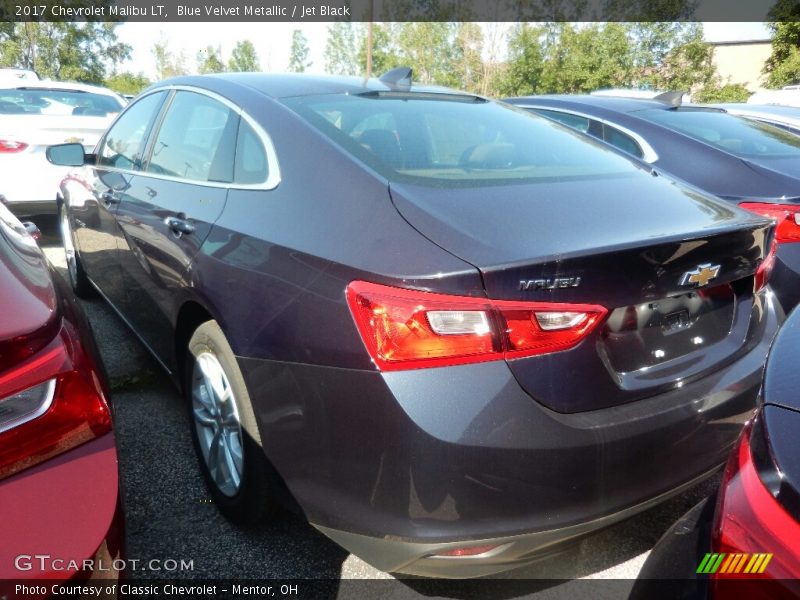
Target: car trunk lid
674, 268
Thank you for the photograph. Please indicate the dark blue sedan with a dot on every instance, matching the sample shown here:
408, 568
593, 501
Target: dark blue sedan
453, 348
748, 162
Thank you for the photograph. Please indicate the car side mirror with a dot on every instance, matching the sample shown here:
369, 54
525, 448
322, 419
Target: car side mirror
66, 155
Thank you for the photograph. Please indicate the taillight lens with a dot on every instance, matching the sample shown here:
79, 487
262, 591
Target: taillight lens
765, 268
50, 403
786, 216
409, 329
11, 146
749, 521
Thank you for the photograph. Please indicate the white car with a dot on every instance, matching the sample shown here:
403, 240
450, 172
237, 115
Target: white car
36, 114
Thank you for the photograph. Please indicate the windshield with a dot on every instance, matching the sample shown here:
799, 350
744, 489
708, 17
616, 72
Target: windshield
41, 101
447, 140
745, 138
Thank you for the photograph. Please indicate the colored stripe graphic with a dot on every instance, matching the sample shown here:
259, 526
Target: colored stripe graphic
734, 563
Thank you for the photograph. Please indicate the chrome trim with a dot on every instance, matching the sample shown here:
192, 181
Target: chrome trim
43, 407
273, 166
649, 155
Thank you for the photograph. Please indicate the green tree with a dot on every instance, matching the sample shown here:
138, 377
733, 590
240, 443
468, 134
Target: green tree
127, 83
341, 49
468, 57
385, 53
209, 60
525, 64
428, 48
730, 92
167, 63
244, 57
298, 54
67, 51
783, 65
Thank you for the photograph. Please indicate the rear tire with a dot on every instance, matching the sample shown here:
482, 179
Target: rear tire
76, 276
224, 430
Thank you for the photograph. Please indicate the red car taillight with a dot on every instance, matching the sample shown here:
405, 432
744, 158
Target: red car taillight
11, 146
50, 403
750, 521
765, 268
409, 329
786, 216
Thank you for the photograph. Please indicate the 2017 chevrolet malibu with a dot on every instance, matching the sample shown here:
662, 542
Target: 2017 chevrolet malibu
453, 347
59, 484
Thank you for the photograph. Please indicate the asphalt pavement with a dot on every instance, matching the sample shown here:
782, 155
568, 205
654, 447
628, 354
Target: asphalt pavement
169, 516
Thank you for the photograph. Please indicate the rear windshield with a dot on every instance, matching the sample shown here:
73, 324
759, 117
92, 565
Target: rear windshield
438, 140
746, 138
57, 102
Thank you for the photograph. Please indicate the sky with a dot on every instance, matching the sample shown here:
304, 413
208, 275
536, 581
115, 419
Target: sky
273, 40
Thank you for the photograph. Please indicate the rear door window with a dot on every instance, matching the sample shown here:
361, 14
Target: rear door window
252, 166
196, 141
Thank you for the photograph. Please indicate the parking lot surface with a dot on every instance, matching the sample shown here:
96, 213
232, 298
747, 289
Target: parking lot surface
169, 516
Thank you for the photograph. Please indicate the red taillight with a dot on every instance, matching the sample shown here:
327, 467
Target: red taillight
11, 146
786, 216
749, 521
765, 268
51, 402
409, 329
467, 551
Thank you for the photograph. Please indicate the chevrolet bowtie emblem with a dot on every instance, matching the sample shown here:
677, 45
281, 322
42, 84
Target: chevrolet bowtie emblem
701, 275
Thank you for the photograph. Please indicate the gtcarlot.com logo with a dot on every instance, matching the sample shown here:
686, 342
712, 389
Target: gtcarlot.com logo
750, 564
46, 562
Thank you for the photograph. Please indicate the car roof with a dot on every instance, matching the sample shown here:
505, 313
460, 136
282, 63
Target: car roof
301, 84
68, 86
613, 103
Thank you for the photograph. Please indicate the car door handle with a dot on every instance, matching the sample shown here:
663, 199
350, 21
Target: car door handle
179, 226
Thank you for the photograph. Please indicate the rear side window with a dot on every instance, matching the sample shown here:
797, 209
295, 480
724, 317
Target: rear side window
570, 120
737, 135
123, 145
449, 140
251, 159
622, 141
196, 140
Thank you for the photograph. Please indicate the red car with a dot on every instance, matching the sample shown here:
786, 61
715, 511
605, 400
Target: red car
60, 515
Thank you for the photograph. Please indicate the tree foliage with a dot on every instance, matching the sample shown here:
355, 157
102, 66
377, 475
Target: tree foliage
244, 57
127, 83
63, 51
783, 65
209, 60
298, 54
341, 49
167, 63
730, 92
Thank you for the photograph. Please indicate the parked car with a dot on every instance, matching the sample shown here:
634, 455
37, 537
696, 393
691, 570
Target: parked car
35, 114
746, 543
18, 75
454, 349
785, 117
749, 163
59, 485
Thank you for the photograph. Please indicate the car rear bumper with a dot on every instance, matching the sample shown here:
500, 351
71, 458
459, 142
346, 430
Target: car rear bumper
67, 518
396, 466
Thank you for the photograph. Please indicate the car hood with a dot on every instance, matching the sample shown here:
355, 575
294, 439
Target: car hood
28, 302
